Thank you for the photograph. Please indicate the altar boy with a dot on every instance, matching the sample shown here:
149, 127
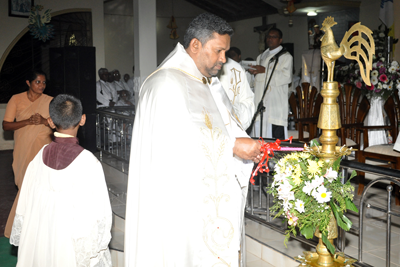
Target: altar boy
63, 216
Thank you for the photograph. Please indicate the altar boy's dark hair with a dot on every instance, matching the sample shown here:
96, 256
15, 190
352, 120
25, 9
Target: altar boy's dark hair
65, 111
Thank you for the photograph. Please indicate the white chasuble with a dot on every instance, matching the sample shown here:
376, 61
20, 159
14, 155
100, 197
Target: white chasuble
184, 202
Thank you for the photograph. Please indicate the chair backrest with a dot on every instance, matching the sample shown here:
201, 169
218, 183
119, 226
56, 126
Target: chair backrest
354, 107
306, 104
392, 108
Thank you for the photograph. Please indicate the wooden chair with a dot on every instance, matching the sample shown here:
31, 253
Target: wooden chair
305, 107
353, 108
383, 152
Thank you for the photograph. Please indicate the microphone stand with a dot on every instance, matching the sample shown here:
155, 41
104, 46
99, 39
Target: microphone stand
260, 108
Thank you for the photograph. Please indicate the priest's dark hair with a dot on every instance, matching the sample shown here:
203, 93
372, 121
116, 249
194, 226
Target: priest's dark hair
65, 111
276, 30
203, 27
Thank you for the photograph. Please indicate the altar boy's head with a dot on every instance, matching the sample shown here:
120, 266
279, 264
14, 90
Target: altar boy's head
66, 114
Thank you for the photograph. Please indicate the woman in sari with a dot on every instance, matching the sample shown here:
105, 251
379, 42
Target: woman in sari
26, 115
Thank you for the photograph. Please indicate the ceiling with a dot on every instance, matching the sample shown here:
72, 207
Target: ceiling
234, 10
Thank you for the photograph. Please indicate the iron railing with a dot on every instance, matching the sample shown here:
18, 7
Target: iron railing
114, 131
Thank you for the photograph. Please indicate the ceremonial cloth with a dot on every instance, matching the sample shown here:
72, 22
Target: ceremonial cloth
184, 199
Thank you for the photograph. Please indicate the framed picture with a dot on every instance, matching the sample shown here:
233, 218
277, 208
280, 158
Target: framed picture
19, 8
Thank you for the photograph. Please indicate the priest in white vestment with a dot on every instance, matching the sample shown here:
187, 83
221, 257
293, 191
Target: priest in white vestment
190, 159
63, 217
234, 81
275, 117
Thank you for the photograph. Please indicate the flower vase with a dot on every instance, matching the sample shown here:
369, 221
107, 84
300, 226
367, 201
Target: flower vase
375, 117
325, 258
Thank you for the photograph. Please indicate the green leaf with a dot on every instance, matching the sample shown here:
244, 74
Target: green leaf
328, 244
347, 221
314, 142
336, 164
350, 205
353, 174
308, 231
339, 218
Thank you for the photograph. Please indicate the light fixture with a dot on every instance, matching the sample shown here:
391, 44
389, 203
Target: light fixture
312, 13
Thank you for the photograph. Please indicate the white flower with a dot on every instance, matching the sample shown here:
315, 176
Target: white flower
374, 65
374, 73
381, 34
374, 80
308, 187
379, 86
331, 175
382, 58
385, 86
286, 205
321, 195
390, 86
394, 63
398, 85
380, 54
345, 68
319, 180
299, 205
392, 69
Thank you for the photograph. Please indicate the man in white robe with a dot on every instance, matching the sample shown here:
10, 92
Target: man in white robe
63, 217
234, 81
104, 92
275, 117
119, 85
187, 169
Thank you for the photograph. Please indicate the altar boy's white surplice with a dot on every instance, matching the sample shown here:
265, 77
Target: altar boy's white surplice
63, 217
184, 203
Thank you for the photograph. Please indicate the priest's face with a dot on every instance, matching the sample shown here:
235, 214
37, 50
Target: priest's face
273, 40
211, 55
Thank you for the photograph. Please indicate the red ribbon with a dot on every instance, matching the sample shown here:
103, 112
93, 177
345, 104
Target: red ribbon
268, 150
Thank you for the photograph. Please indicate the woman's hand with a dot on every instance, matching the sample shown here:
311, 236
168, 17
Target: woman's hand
37, 119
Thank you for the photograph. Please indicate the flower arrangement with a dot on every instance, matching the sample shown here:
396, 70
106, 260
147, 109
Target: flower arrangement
306, 191
384, 76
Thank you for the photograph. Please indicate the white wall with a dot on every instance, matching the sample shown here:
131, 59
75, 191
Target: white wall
6, 138
118, 36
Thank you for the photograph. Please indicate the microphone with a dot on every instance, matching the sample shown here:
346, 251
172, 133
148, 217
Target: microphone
277, 55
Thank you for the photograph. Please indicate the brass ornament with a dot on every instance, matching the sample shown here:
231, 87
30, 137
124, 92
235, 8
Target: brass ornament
353, 46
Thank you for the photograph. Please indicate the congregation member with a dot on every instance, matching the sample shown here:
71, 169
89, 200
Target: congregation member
26, 114
275, 117
104, 90
119, 85
190, 151
234, 81
63, 216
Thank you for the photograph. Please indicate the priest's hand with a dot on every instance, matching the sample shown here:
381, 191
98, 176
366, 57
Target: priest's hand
248, 149
256, 69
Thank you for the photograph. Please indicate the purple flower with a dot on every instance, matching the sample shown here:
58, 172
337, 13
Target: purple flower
382, 70
358, 84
